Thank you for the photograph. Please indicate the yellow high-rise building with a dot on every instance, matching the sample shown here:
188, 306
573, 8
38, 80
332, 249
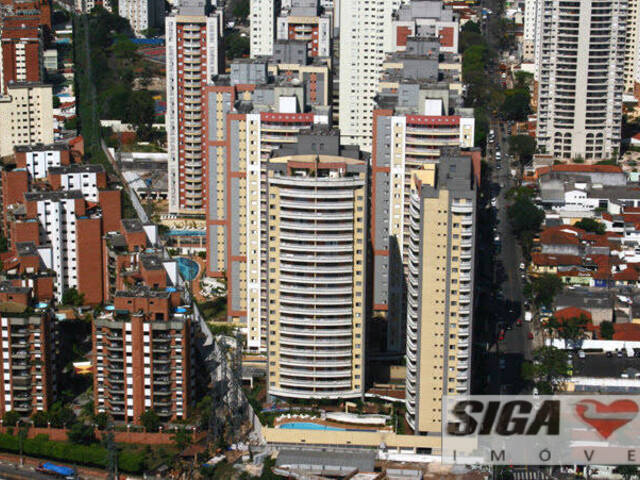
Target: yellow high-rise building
439, 288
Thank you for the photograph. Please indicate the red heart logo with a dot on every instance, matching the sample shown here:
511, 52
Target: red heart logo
606, 419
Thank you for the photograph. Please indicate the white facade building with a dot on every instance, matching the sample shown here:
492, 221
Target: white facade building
262, 19
530, 33
27, 116
364, 26
581, 65
632, 49
193, 55
142, 14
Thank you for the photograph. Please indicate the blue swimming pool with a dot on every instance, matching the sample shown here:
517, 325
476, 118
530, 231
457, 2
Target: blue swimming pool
309, 426
188, 268
186, 233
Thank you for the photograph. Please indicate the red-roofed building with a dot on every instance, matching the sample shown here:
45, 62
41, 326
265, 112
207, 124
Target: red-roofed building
571, 312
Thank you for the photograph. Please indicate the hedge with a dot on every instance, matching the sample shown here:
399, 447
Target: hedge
93, 455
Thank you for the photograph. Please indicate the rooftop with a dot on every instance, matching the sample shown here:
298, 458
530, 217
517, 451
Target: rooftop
41, 147
151, 261
76, 168
143, 292
601, 366
53, 195
26, 249
132, 225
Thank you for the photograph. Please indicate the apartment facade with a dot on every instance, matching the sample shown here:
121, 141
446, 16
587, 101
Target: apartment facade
313, 271
416, 121
364, 27
424, 18
262, 26
143, 359
28, 356
21, 50
303, 21
440, 288
27, 110
142, 14
581, 77
193, 42
530, 30
632, 50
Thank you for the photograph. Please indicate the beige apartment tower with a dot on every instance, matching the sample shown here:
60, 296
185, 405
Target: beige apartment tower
439, 288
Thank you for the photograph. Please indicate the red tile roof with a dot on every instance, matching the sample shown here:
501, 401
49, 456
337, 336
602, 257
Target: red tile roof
548, 259
561, 235
626, 331
628, 274
571, 312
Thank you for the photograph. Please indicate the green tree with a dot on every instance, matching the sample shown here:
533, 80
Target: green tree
101, 420
523, 79
56, 102
525, 220
524, 146
627, 471
571, 329
241, 9
544, 289
470, 26
4, 243
150, 420
516, 104
181, 438
606, 330
81, 434
549, 369
40, 419
71, 296
591, 225
10, 418
236, 46
61, 416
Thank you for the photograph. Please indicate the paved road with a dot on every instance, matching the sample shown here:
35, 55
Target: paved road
12, 472
516, 346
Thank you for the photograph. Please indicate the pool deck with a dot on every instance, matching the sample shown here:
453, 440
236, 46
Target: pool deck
329, 423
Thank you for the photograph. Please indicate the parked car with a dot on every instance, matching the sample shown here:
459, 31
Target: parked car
581, 354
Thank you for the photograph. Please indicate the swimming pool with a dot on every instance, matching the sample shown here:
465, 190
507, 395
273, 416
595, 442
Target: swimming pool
188, 268
186, 233
309, 426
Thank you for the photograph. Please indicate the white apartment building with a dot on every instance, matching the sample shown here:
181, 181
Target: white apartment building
632, 50
581, 66
364, 26
56, 214
38, 159
262, 20
142, 14
530, 30
193, 41
27, 116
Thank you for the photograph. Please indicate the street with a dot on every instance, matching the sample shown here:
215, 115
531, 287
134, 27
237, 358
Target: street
506, 355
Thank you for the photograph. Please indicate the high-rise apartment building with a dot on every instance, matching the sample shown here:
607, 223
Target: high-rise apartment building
439, 288
364, 25
27, 113
581, 77
424, 18
142, 14
262, 26
28, 354
418, 117
250, 115
303, 21
530, 30
194, 56
20, 51
143, 356
312, 267
632, 50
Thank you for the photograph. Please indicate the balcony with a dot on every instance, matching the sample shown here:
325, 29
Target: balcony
315, 373
305, 352
457, 207
316, 342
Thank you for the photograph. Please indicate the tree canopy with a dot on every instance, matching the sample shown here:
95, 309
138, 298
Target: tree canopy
591, 225
544, 288
606, 330
549, 369
571, 329
516, 104
150, 420
524, 146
